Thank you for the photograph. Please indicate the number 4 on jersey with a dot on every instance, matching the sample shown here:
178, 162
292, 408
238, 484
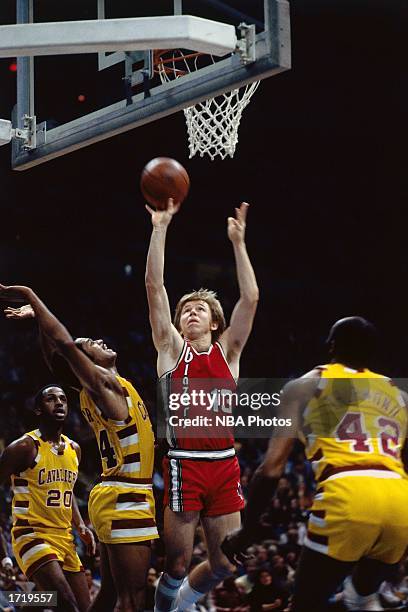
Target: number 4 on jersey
107, 451
352, 428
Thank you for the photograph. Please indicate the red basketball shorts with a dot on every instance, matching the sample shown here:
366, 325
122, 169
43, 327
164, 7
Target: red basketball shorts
211, 487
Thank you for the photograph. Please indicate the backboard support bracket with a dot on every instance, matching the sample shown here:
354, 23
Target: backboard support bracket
28, 134
246, 45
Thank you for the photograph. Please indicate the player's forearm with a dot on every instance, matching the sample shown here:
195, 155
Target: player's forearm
155, 258
248, 286
48, 323
3, 546
262, 489
6, 562
47, 345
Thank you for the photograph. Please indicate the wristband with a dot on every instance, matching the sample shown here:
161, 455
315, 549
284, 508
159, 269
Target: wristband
7, 563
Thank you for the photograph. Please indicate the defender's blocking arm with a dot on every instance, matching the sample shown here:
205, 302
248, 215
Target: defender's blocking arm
21, 313
55, 362
97, 380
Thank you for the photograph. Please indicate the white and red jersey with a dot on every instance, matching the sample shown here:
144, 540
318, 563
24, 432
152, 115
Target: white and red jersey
208, 372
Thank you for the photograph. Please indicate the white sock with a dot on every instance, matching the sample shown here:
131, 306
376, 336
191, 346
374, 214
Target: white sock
187, 596
166, 593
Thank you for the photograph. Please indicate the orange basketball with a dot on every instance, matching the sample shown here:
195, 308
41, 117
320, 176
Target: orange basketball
163, 178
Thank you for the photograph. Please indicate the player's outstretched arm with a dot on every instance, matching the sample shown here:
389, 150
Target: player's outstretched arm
235, 336
165, 335
98, 381
22, 313
55, 362
53, 334
49, 324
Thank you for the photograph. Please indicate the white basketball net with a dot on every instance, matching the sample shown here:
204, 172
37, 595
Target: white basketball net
212, 125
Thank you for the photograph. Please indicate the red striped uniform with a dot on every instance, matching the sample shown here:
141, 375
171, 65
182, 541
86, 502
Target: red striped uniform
201, 471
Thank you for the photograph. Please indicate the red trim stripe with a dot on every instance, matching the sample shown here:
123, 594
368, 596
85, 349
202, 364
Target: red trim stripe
39, 563
21, 523
30, 545
329, 470
319, 539
131, 497
133, 523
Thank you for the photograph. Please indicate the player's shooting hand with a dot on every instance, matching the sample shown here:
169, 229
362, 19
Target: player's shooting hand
162, 218
14, 293
234, 546
24, 312
88, 539
236, 227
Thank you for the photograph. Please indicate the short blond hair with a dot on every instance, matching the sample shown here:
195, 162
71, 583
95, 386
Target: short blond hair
217, 313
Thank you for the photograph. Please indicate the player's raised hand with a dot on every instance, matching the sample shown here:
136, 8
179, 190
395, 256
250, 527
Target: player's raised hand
162, 218
24, 312
14, 293
236, 227
234, 546
88, 539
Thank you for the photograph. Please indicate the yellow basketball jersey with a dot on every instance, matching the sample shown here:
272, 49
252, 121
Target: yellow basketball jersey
126, 447
356, 418
43, 493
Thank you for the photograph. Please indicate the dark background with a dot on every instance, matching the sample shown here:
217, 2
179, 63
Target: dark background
322, 158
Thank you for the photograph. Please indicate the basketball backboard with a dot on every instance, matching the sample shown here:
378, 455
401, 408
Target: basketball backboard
75, 93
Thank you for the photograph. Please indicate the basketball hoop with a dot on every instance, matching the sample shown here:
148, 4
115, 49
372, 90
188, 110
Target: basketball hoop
212, 125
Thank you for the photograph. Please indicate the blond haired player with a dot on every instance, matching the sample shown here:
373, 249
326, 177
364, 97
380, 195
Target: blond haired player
202, 476
43, 467
355, 425
121, 506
